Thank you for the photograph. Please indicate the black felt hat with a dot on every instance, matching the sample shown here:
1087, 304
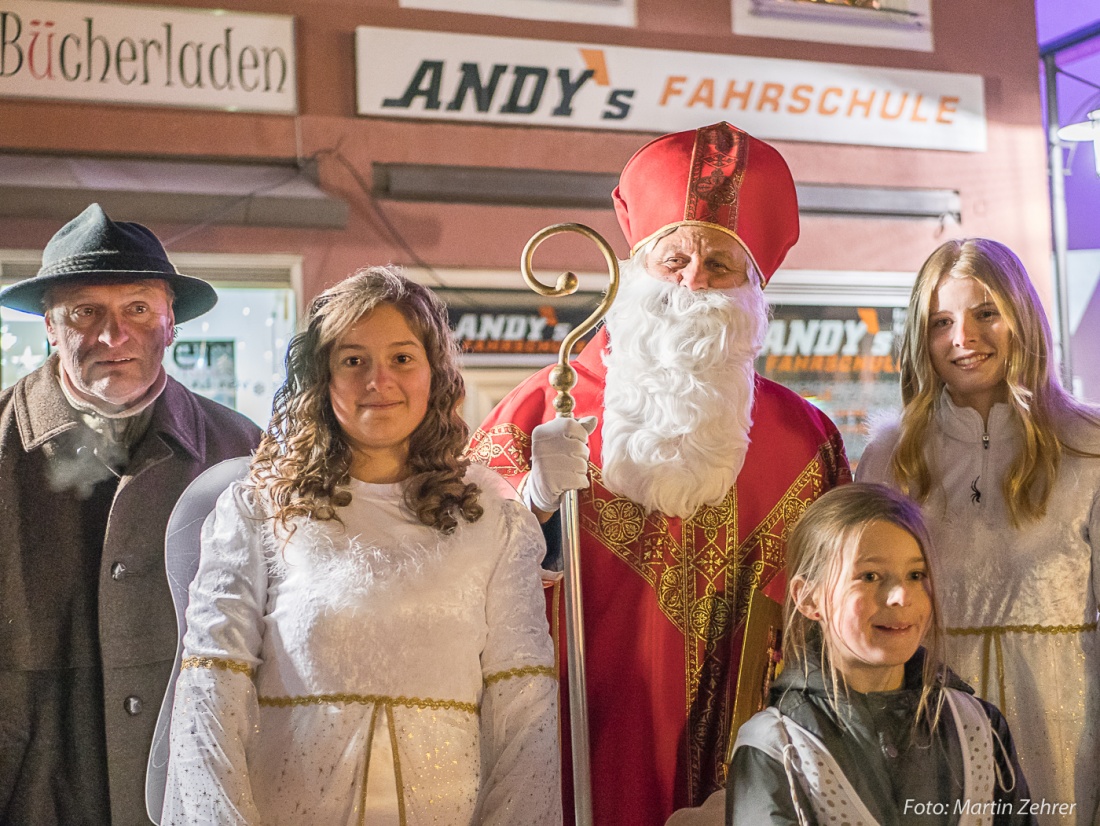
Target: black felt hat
92, 248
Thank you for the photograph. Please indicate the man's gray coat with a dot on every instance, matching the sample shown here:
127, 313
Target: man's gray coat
87, 626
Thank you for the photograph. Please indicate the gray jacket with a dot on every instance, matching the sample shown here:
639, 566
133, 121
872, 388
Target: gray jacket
87, 626
874, 745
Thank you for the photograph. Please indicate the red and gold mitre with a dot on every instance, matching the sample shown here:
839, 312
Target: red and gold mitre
716, 176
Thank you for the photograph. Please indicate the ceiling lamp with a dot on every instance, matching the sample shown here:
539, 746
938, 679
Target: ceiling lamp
1087, 130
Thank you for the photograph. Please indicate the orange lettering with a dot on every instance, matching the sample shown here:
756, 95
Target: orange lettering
769, 365
801, 363
704, 93
916, 118
832, 91
785, 364
770, 94
858, 103
845, 364
673, 86
802, 94
948, 106
732, 93
901, 107
816, 363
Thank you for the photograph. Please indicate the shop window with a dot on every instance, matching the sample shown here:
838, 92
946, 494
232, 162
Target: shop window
235, 353
833, 338
23, 345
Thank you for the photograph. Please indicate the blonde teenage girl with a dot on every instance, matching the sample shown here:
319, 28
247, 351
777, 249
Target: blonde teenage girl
866, 726
1005, 465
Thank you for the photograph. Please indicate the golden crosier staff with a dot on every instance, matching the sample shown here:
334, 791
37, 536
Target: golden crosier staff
563, 378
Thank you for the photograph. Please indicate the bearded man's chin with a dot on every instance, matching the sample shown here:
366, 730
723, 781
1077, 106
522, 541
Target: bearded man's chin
679, 393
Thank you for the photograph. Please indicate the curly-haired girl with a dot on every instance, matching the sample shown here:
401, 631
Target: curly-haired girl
366, 634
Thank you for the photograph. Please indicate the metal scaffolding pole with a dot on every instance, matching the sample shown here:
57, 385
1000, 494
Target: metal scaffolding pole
1058, 219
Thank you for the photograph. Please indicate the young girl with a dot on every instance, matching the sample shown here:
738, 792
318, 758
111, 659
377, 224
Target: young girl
366, 639
1006, 466
866, 726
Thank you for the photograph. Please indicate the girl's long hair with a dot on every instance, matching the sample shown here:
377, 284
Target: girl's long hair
1037, 398
829, 529
303, 458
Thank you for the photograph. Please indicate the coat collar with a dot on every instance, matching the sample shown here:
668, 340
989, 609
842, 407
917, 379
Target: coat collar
43, 413
965, 423
40, 407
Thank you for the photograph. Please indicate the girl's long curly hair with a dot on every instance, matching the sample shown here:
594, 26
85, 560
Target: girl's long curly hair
1037, 398
303, 458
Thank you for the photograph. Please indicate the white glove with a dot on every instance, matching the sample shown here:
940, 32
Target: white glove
559, 461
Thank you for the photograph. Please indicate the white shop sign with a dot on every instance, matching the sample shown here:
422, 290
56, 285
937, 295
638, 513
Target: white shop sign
161, 56
439, 76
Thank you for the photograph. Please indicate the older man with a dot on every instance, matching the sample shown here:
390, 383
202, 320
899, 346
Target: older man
95, 448
699, 467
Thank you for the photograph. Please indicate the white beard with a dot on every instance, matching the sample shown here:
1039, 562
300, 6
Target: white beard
679, 391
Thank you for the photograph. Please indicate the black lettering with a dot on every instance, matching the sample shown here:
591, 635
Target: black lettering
212, 69
619, 101
93, 39
129, 57
244, 67
145, 44
61, 58
11, 26
569, 88
167, 54
195, 49
471, 82
425, 84
513, 106
283, 68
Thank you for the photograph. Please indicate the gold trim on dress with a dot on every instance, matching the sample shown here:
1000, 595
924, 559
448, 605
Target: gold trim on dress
401, 816
1021, 629
366, 766
216, 662
525, 671
367, 699
992, 648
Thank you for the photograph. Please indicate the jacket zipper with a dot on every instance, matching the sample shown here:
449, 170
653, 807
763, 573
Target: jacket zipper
975, 489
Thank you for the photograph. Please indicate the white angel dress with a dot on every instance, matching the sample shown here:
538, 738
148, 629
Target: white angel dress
375, 672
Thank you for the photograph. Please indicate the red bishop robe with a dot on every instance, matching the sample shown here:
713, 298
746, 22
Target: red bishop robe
665, 598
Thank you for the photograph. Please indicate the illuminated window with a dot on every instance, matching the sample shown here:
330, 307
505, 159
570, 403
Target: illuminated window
898, 24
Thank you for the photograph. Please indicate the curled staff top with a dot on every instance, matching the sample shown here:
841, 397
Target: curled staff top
564, 377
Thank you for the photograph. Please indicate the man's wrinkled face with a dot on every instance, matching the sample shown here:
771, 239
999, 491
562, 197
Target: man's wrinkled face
111, 338
699, 258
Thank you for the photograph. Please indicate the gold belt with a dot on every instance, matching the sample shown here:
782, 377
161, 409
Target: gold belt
992, 644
